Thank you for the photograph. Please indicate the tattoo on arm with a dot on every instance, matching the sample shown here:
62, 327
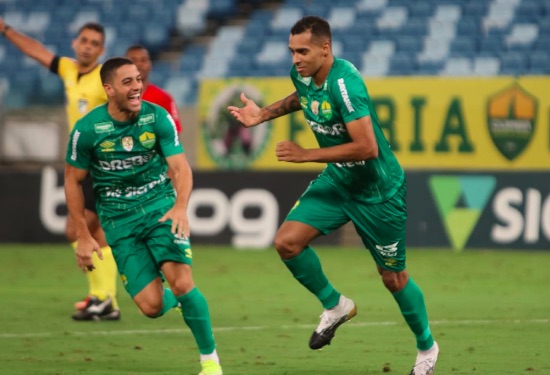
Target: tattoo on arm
282, 107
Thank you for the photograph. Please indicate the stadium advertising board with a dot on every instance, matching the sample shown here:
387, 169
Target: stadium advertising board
244, 209
499, 123
479, 210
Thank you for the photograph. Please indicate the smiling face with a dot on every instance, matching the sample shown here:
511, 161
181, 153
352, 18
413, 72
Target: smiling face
311, 55
124, 91
88, 46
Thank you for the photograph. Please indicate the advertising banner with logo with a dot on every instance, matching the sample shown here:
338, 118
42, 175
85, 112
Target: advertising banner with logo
479, 210
499, 123
241, 209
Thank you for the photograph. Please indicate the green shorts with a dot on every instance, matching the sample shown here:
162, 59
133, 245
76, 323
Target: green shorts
141, 246
326, 207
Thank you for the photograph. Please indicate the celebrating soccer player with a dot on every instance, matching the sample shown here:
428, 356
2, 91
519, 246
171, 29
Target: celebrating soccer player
362, 183
127, 146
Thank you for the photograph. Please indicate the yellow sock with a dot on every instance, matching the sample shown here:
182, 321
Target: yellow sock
102, 281
105, 275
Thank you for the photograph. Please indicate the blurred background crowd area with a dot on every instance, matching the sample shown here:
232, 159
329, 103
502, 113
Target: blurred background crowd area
191, 40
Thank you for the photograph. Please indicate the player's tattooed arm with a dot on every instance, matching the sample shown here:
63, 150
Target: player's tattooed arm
251, 114
282, 107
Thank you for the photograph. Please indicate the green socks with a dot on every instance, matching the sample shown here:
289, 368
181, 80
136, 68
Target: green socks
195, 313
169, 301
411, 304
307, 269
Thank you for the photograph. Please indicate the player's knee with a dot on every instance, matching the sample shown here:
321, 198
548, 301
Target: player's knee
151, 309
182, 286
286, 248
394, 281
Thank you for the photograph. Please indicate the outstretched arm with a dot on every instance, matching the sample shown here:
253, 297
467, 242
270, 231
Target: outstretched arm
86, 244
29, 46
252, 115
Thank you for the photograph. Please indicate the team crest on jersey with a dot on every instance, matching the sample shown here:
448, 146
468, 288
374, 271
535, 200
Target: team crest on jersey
128, 143
315, 107
82, 106
326, 110
147, 119
107, 146
147, 139
303, 102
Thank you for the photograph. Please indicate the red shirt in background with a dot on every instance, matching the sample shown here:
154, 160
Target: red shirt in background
155, 94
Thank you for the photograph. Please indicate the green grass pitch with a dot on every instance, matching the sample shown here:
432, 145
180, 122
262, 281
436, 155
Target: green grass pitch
489, 310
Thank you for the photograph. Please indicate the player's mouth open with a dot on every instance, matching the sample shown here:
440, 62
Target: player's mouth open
134, 99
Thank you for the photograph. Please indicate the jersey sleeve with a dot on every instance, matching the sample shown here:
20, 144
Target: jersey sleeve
79, 149
350, 96
168, 134
65, 66
54, 66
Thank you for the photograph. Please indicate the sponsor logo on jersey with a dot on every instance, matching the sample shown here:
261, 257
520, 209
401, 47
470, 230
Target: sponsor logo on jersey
128, 163
82, 106
315, 107
128, 143
134, 191
147, 139
76, 135
147, 119
387, 250
175, 128
181, 240
335, 129
107, 146
350, 164
104, 127
345, 96
511, 116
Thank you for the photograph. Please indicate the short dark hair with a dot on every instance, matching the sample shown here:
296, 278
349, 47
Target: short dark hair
318, 27
110, 66
136, 47
93, 26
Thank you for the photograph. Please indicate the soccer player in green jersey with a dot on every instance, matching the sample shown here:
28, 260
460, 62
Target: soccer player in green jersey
362, 183
127, 145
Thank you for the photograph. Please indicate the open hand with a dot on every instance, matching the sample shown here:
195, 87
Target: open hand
249, 115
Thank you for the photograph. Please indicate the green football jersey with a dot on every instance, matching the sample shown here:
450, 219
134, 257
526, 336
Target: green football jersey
342, 98
126, 161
